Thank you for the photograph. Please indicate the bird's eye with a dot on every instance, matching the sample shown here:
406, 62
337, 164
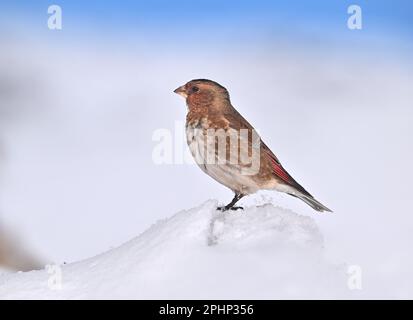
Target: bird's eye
195, 89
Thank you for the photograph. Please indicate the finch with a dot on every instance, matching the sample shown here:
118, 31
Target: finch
227, 148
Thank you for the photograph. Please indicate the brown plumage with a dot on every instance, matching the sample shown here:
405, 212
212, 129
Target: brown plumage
226, 146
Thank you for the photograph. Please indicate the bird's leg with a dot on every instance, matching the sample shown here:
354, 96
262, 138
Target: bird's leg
230, 206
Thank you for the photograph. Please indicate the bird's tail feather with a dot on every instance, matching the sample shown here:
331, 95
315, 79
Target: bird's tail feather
313, 203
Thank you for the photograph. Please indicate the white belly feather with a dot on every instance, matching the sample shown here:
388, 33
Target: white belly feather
216, 165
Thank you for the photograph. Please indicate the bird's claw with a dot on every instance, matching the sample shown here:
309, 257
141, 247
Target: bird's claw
225, 208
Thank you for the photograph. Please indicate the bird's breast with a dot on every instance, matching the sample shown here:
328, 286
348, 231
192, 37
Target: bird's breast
214, 159
196, 131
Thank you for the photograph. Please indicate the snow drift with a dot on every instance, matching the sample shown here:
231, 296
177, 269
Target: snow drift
262, 252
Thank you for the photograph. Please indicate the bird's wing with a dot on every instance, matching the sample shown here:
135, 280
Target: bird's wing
280, 172
237, 121
278, 169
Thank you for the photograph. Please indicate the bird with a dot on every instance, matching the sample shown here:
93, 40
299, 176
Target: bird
226, 147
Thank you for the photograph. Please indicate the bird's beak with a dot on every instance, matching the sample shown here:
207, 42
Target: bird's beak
181, 91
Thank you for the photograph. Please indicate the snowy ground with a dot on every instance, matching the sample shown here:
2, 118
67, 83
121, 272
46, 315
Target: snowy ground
264, 252
78, 178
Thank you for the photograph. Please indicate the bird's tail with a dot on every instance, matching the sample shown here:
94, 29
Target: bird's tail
313, 203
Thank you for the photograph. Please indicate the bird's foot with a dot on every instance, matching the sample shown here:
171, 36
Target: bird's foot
226, 208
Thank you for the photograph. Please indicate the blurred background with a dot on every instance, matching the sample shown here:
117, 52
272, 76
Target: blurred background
79, 107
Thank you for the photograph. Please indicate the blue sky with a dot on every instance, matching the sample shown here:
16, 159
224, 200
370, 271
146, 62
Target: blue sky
397, 12
215, 20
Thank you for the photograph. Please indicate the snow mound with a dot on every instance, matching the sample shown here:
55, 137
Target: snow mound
262, 252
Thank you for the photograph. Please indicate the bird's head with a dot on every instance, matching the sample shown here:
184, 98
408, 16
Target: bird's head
203, 92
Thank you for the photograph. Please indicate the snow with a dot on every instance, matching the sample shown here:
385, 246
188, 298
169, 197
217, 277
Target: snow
262, 252
77, 176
